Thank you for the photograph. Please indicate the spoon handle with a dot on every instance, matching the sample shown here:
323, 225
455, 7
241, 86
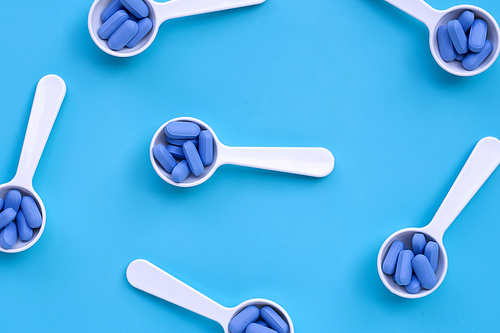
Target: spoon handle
180, 8
49, 96
145, 276
483, 160
419, 9
314, 162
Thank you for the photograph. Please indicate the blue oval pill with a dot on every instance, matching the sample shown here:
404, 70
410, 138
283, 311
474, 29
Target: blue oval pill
262, 322
466, 19
164, 157
182, 130
446, 48
176, 151
8, 236
391, 258
113, 23
247, 316
460, 57
274, 320
206, 147
418, 243
31, 212
256, 328
193, 158
432, 254
123, 35
145, 26
136, 7
403, 273
424, 272
8, 215
477, 36
178, 142
181, 171
24, 230
472, 60
13, 200
112, 8
414, 286
457, 36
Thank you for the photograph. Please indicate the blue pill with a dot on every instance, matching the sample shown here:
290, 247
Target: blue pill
432, 254
24, 230
414, 286
31, 212
457, 36
418, 243
113, 23
181, 171
178, 142
404, 271
112, 8
274, 320
136, 7
206, 147
461, 57
446, 49
472, 60
256, 328
8, 215
466, 19
124, 34
182, 130
262, 322
13, 200
8, 236
164, 157
145, 25
1, 204
193, 158
424, 272
391, 258
247, 316
176, 151
477, 36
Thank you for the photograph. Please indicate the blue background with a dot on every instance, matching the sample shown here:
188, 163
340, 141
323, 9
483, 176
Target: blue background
356, 77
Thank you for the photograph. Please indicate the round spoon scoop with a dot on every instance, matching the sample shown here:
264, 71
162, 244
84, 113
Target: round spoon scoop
314, 162
145, 276
483, 160
434, 18
159, 13
49, 96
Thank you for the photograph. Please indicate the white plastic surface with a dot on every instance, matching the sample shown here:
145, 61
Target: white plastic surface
433, 19
313, 162
159, 13
49, 96
483, 160
145, 276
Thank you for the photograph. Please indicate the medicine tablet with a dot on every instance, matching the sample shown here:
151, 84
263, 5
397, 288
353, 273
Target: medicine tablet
240, 322
31, 212
8, 236
262, 322
136, 7
418, 243
8, 215
145, 26
391, 258
473, 60
124, 34
176, 151
477, 36
206, 147
432, 254
113, 7
13, 200
193, 158
181, 172
403, 273
1, 204
466, 19
24, 230
446, 49
274, 320
113, 23
164, 157
256, 328
178, 142
182, 130
424, 272
460, 57
457, 36
414, 286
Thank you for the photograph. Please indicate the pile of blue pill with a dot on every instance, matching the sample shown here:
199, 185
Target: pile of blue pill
125, 23
253, 320
26, 213
465, 40
188, 150
413, 269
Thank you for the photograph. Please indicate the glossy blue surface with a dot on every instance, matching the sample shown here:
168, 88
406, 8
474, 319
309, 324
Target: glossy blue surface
206, 147
247, 316
403, 272
23, 229
418, 243
164, 157
193, 158
13, 200
277, 74
457, 36
424, 272
112, 24
124, 34
182, 130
